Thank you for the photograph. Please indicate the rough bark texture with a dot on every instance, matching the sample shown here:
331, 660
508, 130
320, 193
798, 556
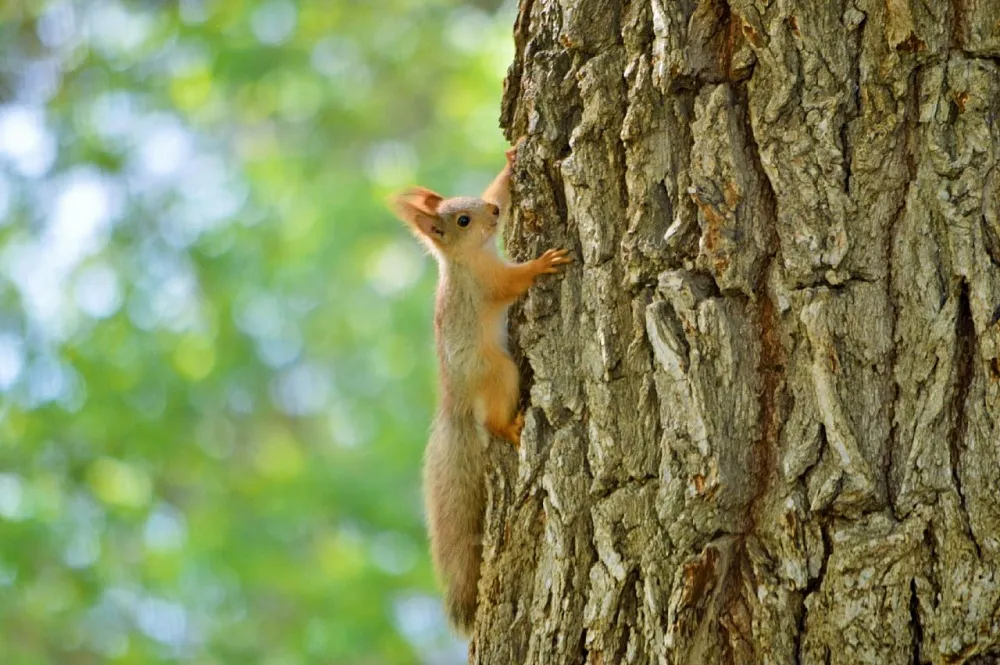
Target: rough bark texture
764, 410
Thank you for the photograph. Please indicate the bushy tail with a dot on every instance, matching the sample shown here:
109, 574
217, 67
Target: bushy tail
456, 500
461, 596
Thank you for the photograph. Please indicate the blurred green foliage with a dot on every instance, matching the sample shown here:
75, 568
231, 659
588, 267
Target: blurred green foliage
216, 366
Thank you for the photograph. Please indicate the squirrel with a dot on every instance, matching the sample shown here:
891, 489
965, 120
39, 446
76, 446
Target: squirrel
478, 378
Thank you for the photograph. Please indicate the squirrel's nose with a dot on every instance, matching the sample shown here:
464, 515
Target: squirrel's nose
496, 210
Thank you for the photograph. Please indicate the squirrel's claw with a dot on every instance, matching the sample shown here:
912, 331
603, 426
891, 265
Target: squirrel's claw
553, 258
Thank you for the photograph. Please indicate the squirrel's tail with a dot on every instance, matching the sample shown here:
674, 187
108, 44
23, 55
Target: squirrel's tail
456, 500
461, 598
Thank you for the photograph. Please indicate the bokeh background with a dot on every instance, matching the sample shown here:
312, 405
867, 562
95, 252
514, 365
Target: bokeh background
216, 366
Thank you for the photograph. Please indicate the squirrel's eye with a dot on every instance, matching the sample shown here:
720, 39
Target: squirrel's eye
464, 220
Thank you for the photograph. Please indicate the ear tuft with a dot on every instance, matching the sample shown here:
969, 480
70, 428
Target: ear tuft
417, 207
423, 198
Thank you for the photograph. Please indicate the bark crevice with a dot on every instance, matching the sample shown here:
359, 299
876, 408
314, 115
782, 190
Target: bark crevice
966, 355
916, 629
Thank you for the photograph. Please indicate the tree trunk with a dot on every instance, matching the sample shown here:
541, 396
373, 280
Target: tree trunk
763, 421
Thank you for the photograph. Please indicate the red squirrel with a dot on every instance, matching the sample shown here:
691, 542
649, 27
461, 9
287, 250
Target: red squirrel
478, 378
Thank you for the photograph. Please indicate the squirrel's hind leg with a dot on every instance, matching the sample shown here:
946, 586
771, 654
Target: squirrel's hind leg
496, 399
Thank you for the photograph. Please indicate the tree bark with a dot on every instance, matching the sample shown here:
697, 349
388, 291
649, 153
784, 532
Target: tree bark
764, 403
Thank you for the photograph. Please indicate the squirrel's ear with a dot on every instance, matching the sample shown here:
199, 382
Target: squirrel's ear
424, 199
417, 207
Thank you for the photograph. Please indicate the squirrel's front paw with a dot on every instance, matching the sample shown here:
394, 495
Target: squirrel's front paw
550, 261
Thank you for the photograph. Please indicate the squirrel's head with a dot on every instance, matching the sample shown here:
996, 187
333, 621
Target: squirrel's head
449, 226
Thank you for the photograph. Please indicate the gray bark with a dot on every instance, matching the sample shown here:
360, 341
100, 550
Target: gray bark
764, 411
